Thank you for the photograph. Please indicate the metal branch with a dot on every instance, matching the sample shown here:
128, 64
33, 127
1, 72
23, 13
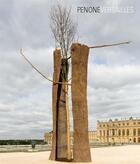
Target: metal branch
70, 79
21, 52
109, 45
68, 57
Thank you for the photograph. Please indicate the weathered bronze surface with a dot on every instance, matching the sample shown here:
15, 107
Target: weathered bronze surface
56, 74
60, 142
81, 149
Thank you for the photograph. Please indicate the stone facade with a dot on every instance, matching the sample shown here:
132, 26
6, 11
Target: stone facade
48, 137
91, 134
119, 131
111, 132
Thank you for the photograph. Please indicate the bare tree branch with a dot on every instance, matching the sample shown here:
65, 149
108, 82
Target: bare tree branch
63, 28
109, 45
68, 57
70, 79
64, 83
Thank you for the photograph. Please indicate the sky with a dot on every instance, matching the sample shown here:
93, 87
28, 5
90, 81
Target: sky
113, 72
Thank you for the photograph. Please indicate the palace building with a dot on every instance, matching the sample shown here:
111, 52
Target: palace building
110, 132
119, 131
92, 137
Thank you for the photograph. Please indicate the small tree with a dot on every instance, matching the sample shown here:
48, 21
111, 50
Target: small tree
63, 29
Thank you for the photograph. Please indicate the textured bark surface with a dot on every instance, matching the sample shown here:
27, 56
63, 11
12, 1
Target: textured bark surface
60, 148
81, 149
56, 75
61, 123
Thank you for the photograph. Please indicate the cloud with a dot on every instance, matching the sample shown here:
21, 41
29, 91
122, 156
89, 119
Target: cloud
25, 96
113, 92
110, 77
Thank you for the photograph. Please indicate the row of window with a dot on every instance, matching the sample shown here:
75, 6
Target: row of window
120, 124
119, 132
128, 141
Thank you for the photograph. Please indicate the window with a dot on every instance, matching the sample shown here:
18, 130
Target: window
134, 140
104, 132
123, 132
100, 133
138, 132
107, 132
134, 132
127, 132
113, 132
119, 132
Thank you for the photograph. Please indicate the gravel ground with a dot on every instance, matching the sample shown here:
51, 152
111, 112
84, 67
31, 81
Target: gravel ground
105, 155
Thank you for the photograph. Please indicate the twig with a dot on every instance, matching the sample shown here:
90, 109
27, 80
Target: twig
70, 79
68, 57
109, 45
65, 83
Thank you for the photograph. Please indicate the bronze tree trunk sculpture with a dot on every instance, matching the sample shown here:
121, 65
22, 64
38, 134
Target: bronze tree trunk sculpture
61, 130
61, 133
79, 57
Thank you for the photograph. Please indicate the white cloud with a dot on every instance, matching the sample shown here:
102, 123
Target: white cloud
113, 92
103, 76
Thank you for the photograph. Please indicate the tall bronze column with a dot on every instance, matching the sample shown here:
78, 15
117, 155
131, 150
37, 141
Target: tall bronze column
81, 149
60, 141
56, 74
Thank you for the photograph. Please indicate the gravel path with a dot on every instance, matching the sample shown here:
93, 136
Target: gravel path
105, 155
